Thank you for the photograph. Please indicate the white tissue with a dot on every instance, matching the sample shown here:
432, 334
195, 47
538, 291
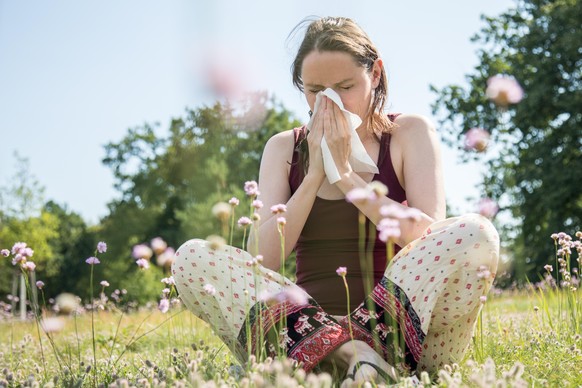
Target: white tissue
359, 158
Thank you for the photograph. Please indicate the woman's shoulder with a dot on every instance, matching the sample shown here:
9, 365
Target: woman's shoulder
412, 124
282, 139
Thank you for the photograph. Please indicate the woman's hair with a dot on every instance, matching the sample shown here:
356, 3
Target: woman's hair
344, 35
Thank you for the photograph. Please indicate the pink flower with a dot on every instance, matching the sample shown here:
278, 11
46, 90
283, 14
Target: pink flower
40, 284
483, 272
209, 289
388, 228
477, 139
482, 299
18, 258
164, 305
487, 207
257, 204
554, 236
101, 247
293, 295
233, 201
398, 212
143, 263
166, 291
244, 222
252, 188
104, 283
92, 261
142, 251
503, 90
548, 268
341, 271
29, 265
158, 245
281, 221
17, 247
27, 252
279, 208
166, 258
169, 280
5, 252
52, 325
359, 195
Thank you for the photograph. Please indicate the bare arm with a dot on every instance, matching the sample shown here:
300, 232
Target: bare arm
421, 174
274, 188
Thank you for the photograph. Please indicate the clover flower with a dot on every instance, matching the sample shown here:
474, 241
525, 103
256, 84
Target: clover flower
104, 283
222, 210
378, 188
360, 195
40, 284
142, 251
483, 299
166, 258
143, 263
548, 268
92, 261
257, 204
234, 201
341, 271
5, 252
399, 212
293, 295
477, 139
169, 281
244, 221
388, 228
281, 221
215, 242
164, 305
487, 207
279, 208
503, 90
101, 247
158, 245
18, 247
251, 188
29, 266
209, 289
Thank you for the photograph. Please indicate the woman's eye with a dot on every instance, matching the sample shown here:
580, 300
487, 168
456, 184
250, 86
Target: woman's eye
346, 87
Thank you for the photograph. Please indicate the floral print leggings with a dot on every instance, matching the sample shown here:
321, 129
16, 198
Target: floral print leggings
420, 316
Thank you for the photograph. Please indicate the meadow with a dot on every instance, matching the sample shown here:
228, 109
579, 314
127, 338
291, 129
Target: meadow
525, 338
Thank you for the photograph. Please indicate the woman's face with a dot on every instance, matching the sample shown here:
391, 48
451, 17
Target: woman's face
339, 71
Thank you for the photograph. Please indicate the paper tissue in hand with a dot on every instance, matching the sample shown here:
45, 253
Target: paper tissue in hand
359, 158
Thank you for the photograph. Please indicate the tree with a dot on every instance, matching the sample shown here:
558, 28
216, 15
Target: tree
536, 171
168, 185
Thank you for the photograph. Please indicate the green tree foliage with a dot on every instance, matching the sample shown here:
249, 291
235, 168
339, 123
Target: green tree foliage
537, 167
168, 184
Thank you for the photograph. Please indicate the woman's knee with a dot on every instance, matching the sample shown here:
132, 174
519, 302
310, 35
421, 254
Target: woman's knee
481, 238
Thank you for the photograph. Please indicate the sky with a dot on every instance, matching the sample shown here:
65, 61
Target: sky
75, 76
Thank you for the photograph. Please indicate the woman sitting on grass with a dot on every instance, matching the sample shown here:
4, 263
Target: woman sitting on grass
416, 312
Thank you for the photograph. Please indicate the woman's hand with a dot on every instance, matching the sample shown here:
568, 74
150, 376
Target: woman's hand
337, 135
314, 137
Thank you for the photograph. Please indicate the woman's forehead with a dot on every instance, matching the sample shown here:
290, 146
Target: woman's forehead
330, 67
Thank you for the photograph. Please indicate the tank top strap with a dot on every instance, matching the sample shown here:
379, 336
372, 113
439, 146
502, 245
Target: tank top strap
295, 169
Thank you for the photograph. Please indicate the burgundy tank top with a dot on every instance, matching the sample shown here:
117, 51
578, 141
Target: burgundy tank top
330, 238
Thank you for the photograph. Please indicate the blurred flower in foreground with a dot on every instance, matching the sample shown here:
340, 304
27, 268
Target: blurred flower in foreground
215, 242
5, 252
158, 245
166, 258
104, 283
143, 263
293, 295
503, 90
40, 284
52, 325
251, 188
361, 195
142, 251
477, 139
92, 261
341, 271
164, 305
388, 228
209, 289
66, 303
488, 207
221, 210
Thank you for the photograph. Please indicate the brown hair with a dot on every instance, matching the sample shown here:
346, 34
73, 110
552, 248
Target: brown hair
343, 34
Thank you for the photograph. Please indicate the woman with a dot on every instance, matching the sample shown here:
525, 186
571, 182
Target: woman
424, 303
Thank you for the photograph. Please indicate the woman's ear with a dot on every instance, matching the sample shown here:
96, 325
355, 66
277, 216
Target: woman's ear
377, 72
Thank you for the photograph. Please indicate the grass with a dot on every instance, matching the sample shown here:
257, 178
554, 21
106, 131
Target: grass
148, 348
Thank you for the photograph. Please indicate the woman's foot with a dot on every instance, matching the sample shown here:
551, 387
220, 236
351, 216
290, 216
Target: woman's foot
364, 364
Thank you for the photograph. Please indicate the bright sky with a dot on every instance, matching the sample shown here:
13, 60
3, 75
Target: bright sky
76, 75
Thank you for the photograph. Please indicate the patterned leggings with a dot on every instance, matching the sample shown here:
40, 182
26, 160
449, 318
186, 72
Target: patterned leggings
421, 315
